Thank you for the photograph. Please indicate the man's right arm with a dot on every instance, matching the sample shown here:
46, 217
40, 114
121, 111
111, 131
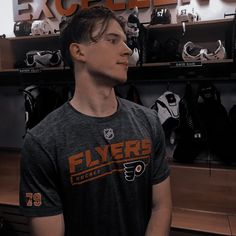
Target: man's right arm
40, 200
47, 226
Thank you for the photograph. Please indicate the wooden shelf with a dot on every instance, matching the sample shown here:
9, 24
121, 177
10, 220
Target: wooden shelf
169, 71
232, 221
201, 221
205, 189
36, 37
14, 49
9, 177
16, 77
207, 70
215, 62
219, 23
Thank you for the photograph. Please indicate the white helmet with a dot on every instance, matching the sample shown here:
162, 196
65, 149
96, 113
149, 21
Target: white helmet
40, 27
192, 52
186, 14
134, 57
167, 106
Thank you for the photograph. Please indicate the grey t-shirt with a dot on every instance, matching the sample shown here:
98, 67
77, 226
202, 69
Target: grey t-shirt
98, 172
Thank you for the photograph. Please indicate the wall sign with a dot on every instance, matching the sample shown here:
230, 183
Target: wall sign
185, 1
164, 2
35, 9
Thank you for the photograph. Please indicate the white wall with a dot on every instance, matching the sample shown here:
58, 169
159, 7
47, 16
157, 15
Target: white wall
6, 18
208, 10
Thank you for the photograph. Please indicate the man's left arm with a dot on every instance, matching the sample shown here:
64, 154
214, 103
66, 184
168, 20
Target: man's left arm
160, 221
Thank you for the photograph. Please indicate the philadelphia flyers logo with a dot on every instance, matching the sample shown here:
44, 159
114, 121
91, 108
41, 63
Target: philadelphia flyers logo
133, 169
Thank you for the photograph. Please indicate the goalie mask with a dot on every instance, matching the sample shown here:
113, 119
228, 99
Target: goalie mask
160, 16
132, 30
133, 24
135, 38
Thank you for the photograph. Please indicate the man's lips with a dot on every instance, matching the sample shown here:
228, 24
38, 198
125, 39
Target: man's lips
123, 63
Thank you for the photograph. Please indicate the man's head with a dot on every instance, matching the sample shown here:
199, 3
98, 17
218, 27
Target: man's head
87, 26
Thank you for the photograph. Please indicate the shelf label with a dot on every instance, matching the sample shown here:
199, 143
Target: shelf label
30, 70
180, 64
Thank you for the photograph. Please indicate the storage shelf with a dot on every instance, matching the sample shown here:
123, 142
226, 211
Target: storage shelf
219, 23
35, 37
177, 71
181, 71
14, 50
26, 76
171, 63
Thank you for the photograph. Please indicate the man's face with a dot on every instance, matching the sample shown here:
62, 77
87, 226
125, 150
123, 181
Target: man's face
107, 59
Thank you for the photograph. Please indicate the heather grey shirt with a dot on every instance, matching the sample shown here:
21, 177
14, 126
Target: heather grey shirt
98, 172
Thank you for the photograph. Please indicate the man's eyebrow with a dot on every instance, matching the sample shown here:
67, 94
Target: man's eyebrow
115, 35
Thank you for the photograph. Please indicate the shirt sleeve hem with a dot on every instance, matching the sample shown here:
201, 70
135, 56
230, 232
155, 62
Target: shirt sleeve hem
162, 178
40, 212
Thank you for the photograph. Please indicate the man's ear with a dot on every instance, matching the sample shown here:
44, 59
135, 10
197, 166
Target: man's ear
77, 52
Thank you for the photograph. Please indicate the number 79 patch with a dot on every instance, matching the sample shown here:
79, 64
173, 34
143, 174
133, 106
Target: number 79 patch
33, 199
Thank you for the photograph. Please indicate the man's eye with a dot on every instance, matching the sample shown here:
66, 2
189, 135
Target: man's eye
113, 41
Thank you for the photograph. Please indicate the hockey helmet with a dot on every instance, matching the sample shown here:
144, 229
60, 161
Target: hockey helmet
39, 102
41, 27
160, 16
22, 28
134, 57
186, 13
167, 106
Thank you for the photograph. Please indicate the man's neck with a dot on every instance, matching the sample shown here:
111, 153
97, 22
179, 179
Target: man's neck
94, 101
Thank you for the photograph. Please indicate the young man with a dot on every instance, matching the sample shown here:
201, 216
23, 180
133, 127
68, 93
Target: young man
96, 166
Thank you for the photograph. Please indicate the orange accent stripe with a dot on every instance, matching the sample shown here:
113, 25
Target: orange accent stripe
111, 162
99, 176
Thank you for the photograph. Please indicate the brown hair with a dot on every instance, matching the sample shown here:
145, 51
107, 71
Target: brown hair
81, 27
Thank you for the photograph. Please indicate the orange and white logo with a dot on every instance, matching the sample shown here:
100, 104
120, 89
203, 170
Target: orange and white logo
133, 169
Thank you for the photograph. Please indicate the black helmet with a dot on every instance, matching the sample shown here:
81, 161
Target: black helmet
160, 16
22, 28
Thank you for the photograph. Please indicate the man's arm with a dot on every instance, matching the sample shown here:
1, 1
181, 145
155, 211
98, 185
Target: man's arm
47, 226
160, 221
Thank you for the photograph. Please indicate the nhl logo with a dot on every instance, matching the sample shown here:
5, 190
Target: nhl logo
108, 133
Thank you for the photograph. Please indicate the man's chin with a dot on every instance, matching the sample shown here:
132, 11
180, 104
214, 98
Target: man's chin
111, 80
118, 80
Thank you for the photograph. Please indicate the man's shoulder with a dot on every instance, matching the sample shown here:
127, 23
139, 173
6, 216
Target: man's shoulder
137, 108
52, 122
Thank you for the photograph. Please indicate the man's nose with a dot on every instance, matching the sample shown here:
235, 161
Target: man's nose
127, 51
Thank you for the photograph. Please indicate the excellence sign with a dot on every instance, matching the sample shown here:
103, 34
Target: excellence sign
34, 9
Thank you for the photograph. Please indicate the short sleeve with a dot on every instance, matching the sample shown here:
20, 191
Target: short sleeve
39, 194
160, 167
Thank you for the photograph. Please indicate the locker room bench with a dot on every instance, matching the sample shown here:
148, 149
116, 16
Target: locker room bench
204, 200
